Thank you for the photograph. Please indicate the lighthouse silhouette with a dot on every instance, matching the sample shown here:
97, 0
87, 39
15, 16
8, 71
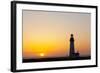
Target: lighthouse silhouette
72, 53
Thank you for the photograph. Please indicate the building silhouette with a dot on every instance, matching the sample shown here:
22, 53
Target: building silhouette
72, 53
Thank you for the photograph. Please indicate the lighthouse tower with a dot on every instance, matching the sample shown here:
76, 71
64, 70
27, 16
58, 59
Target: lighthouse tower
72, 50
72, 53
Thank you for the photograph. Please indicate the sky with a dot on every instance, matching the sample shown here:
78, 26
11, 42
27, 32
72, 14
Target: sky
47, 33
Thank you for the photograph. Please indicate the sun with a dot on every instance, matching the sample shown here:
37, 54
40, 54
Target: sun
41, 54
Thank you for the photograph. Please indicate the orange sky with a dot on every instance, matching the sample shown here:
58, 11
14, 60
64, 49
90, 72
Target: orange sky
47, 34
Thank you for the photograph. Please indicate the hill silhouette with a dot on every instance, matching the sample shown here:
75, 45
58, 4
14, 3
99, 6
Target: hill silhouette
56, 59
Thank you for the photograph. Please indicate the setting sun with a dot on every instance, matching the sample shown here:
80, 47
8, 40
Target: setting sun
41, 54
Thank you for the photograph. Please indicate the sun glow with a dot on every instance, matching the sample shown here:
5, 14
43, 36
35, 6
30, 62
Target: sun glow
41, 54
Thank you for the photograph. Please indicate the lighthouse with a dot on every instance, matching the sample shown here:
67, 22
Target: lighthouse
72, 53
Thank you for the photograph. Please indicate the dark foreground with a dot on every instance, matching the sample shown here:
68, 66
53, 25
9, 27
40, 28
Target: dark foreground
55, 59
